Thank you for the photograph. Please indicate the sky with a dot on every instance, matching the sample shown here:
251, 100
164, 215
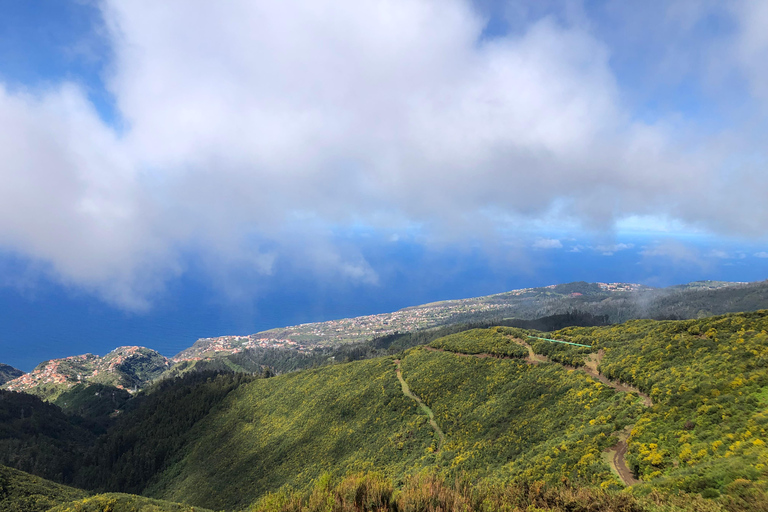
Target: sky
183, 169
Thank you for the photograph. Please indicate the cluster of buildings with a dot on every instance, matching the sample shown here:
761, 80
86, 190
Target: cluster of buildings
68, 371
620, 287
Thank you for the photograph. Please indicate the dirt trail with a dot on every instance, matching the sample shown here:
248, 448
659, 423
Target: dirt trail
593, 361
615, 456
620, 464
407, 392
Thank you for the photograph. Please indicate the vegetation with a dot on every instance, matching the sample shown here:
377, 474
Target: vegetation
22, 492
8, 372
707, 378
504, 420
481, 341
561, 353
37, 437
520, 434
293, 428
96, 401
510, 421
118, 502
426, 492
148, 435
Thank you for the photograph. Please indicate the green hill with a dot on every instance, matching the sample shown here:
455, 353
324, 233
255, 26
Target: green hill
505, 420
95, 401
8, 373
22, 492
119, 502
127, 368
38, 437
662, 406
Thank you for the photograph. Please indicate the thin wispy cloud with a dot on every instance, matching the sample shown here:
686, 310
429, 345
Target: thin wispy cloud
547, 243
675, 253
610, 250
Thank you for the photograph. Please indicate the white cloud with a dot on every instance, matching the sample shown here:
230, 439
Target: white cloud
675, 252
761, 254
609, 250
71, 198
547, 243
751, 45
719, 254
243, 116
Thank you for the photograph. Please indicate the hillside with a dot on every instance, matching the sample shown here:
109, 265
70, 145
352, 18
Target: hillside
660, 406
8, 372
125, 368
21, 491
38, 437
618, 302
505, 419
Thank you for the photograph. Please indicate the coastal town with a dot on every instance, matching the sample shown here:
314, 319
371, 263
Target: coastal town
306, 336
115, 368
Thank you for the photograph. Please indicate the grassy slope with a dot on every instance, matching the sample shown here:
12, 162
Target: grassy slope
293, 428
708, 378
117, 502
507, 420
707, 430
504, 419
21, 491
481, 341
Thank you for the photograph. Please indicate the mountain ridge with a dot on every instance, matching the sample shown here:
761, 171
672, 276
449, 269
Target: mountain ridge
125, 368
8, 373
523, 303
614, 301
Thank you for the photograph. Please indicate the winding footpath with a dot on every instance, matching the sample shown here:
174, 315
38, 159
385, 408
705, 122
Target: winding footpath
407, 392
615, 454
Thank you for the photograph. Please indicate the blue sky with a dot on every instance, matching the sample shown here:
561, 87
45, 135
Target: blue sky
185, 169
